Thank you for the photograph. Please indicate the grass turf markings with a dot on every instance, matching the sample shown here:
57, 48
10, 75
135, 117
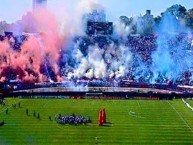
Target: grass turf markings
181, 117
133, 114
161, 124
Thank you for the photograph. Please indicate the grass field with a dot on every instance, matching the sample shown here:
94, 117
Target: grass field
154, 122
190, 102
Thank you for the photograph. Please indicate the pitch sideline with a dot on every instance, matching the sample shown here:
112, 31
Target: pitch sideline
187, 125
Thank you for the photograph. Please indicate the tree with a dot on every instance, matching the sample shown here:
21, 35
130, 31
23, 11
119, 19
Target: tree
157, 20
177, 10
125, 20
129, 24
173, 18
189, 18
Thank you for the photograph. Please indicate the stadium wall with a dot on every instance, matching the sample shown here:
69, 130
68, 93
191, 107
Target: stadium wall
97, 95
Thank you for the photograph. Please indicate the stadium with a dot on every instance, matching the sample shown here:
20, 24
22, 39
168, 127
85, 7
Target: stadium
97, 81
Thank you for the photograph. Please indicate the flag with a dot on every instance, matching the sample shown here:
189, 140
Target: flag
104, 115
100, 118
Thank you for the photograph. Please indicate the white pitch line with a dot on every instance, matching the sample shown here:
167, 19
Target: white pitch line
138, 104
46, 103
59, 127
187, 104
187, 125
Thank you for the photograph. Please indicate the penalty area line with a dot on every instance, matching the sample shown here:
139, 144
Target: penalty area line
185, 122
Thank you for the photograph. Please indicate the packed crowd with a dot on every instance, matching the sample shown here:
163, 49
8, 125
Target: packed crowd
143, 46
14, 41
140, 46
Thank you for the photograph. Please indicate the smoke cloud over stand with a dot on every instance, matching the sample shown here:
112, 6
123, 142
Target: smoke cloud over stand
58, 49
40, 48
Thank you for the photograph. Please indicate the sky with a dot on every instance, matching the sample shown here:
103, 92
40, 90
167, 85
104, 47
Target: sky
12, 10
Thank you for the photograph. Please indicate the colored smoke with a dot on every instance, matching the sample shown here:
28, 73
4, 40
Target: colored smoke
59, 51
41, 48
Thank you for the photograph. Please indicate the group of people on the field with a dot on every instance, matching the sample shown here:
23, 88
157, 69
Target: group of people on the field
2, 102
73, 119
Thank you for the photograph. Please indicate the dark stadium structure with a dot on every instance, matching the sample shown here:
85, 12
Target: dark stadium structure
95, 90
150, 95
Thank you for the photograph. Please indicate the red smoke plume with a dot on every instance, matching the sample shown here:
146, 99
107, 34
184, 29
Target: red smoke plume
41, 48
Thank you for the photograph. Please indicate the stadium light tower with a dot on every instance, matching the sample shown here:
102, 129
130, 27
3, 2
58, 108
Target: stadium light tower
39, 4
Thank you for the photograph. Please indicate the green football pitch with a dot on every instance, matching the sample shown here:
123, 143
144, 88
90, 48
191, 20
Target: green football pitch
129, 122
